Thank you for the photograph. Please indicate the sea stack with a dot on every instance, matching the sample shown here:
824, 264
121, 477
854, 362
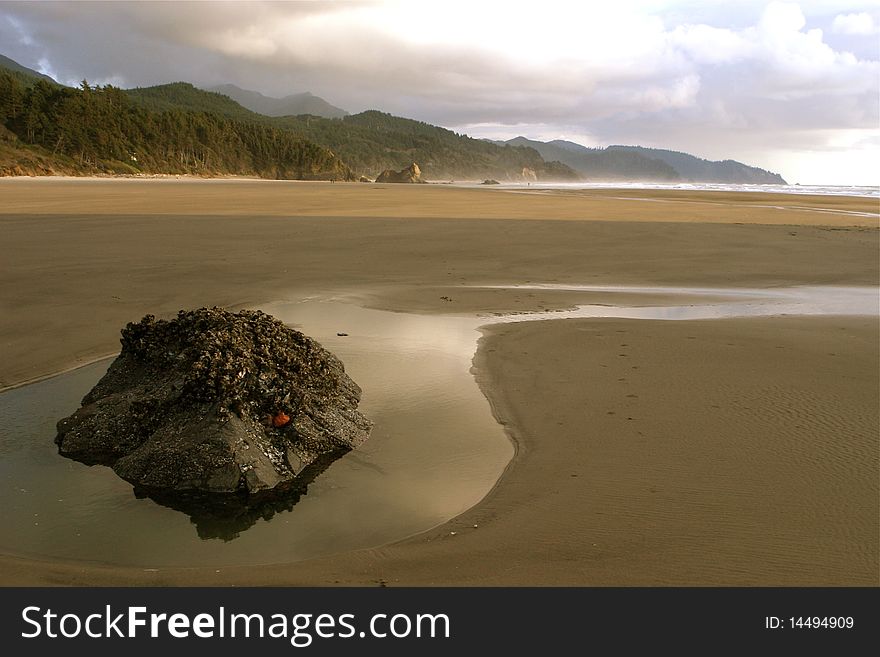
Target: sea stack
411, 174
215, 402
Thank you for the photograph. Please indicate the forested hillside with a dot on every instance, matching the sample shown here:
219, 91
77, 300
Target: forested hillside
373, 141
47, 128
184, 96
302, 103
637, 163
698, 169
177, 128
602, 164
100, 130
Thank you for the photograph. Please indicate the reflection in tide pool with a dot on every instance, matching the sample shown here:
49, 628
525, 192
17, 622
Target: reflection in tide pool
708, 303
435, 451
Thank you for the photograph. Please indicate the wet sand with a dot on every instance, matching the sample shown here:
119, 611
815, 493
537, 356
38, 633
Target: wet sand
79, 258
725, 452
249, 197
682, 503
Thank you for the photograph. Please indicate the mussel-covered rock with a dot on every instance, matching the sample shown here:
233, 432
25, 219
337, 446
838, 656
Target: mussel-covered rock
215, 402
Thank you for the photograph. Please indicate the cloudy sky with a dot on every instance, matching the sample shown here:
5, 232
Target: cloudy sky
793, 87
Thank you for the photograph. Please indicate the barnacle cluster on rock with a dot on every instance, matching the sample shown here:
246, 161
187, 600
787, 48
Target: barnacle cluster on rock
246, 362
214, 402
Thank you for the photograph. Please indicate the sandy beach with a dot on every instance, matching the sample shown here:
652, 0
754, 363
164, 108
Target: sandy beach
712, 452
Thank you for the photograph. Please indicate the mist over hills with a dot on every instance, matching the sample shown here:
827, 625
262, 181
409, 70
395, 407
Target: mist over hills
47, 128
22, 71
292, 105
637, 163
697, 169
601, 164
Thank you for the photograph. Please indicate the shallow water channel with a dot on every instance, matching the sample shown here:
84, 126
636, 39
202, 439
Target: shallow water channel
434, 452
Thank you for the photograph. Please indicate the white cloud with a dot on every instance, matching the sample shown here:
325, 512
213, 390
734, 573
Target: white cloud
781, 17
860, 24
711, 45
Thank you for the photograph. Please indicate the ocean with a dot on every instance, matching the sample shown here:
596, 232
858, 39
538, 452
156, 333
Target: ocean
826, 190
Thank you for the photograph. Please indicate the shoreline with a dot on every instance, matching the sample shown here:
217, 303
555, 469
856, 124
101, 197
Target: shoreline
65, 369
564, 186
270, 198
70, 282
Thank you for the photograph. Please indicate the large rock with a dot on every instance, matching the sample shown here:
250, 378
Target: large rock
412, 174
214, 403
